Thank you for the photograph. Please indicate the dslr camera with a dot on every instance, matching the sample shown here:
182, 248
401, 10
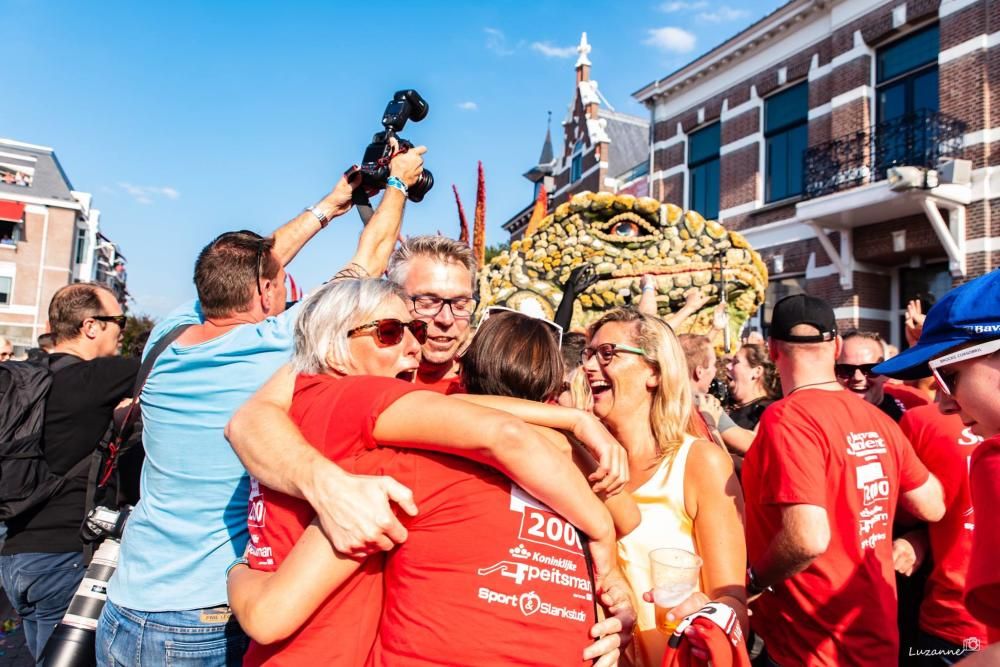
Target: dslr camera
105, 523
405, 105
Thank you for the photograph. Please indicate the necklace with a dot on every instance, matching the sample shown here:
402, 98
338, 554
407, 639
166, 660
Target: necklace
811, 384
751, 402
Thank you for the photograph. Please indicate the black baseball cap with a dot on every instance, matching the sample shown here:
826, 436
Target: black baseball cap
803, 309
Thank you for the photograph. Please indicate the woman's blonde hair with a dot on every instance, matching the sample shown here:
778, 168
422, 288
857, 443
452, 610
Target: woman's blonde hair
329, 313
671, 413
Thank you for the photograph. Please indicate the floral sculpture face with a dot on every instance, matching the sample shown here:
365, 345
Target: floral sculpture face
624, 237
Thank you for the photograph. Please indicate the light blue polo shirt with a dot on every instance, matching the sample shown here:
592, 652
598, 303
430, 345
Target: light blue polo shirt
191, 520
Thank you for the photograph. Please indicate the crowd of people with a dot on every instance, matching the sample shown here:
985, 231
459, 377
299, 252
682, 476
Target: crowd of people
365, 478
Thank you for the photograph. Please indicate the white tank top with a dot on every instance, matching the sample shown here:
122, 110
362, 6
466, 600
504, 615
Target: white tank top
664, 523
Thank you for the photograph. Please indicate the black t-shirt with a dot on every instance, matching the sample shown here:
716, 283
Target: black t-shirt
79, 407
748, 415
892, 407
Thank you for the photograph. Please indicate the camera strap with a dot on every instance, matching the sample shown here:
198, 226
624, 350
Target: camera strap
364, 205
132, 415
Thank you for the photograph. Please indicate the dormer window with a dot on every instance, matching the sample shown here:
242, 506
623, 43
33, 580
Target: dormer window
576, 166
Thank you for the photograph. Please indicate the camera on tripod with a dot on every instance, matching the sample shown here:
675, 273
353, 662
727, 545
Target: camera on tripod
405, 105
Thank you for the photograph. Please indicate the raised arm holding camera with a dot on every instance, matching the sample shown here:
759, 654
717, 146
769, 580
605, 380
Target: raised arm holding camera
168, 595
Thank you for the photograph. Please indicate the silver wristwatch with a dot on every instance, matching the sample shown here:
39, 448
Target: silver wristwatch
322, 217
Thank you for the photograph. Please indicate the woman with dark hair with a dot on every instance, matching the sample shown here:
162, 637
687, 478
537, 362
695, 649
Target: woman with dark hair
481, 553
753, 385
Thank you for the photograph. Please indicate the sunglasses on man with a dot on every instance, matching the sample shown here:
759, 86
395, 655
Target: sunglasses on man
120, 320
390, 331
847, 371
946, 377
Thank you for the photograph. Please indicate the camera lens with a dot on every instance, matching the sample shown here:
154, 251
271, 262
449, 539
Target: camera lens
422, 186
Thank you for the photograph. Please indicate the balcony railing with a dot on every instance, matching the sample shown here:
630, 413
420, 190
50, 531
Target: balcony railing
919, 139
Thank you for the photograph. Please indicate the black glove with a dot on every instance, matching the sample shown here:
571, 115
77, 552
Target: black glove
580, 279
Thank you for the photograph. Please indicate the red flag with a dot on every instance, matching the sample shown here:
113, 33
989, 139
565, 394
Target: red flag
463, 224
479, 224
294, 293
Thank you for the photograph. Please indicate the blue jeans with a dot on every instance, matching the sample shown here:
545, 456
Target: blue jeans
40, 587
202, 637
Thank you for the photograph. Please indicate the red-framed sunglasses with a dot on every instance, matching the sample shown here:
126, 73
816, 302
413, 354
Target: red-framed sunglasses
389, 331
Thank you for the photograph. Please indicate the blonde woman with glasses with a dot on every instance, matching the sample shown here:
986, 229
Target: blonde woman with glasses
686, 490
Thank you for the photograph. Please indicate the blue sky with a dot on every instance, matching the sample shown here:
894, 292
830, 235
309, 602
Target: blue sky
189, 119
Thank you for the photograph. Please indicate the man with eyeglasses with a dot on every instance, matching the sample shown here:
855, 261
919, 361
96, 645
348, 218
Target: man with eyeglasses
860, 353
437, 274
168, 596
960, 347
42, 559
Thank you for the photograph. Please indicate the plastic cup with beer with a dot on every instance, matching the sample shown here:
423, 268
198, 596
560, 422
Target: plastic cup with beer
675, 576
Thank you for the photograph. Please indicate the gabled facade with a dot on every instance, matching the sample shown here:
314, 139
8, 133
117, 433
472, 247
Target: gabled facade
603, 150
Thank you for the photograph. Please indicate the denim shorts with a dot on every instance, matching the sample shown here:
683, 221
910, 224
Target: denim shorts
205, 637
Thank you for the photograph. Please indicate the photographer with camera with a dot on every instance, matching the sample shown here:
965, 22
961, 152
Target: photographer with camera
167, 599
42, 561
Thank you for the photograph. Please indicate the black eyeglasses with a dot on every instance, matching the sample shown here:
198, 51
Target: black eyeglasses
429, 306
389, 331
846, 371
120, 320
260, 262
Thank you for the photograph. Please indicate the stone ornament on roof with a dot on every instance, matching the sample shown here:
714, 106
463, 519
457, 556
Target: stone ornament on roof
597, 129
583, 49
588, 93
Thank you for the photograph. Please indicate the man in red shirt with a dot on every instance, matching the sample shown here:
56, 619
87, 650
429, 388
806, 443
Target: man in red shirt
481, 554
960, 346
437, 273
821, 484
861, 351
945, 446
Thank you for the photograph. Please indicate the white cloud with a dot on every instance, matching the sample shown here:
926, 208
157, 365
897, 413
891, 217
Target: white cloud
723, 14
468, 106
678, 6
145, 194
676, 40
496, 42
549, 51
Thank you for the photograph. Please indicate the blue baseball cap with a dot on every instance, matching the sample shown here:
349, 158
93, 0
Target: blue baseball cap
967, 314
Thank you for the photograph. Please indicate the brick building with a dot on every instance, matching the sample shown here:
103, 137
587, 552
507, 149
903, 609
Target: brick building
49, 237
787, 131
603, 150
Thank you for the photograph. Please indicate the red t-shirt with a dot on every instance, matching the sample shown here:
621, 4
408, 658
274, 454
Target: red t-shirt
468, 516
982, 594
446, 386
829, 449
907, 395
337, 417
945, 447
487, 576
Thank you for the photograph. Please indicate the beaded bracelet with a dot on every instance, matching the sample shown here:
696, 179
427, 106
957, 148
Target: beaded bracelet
394, 182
